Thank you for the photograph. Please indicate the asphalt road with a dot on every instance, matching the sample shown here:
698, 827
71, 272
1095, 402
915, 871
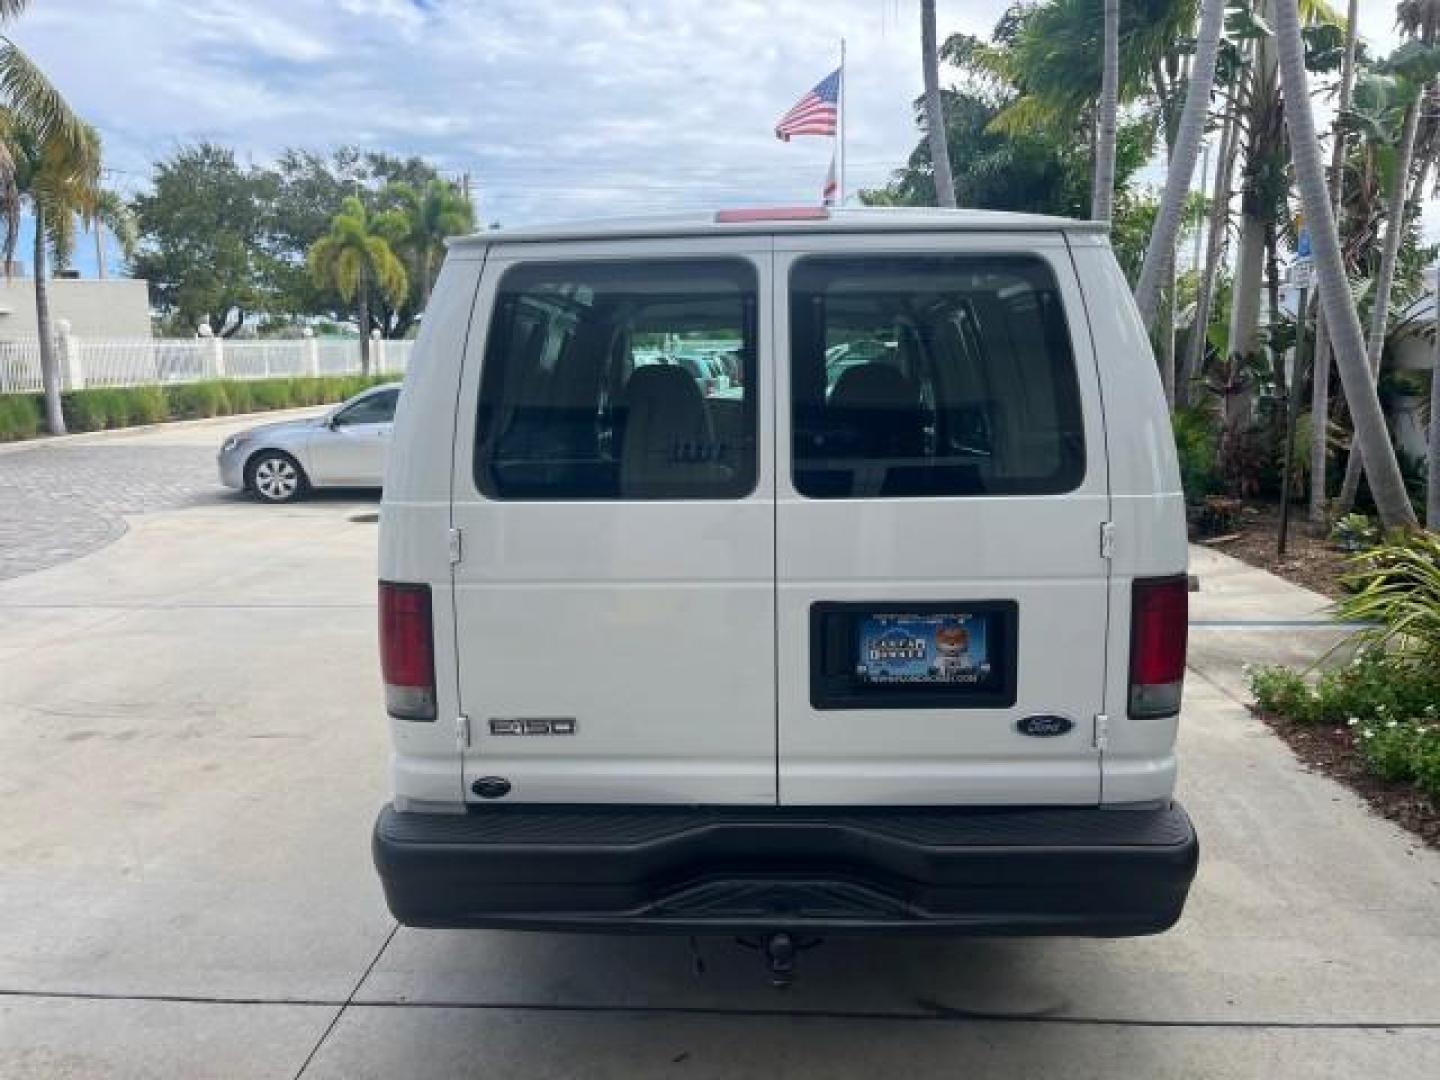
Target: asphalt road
191, 754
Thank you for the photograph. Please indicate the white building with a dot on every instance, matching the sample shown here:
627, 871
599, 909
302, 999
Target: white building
96, 309
1413, 351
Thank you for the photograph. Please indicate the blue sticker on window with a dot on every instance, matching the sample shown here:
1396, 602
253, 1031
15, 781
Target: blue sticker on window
950, 649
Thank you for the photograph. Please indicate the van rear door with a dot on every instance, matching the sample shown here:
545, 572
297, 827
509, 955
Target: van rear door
615, 589
942, 595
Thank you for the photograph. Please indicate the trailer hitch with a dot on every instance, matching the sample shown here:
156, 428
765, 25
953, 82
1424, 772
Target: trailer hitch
780, 950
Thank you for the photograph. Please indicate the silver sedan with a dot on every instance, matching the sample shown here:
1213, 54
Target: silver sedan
344, 447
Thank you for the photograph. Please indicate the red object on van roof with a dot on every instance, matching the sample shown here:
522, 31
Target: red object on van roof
774, 213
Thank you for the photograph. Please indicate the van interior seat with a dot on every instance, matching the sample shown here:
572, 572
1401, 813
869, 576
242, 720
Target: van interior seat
668, 442
877, 412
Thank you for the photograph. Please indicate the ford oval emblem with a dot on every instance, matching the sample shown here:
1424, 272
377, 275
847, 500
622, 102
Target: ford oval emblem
1045, 725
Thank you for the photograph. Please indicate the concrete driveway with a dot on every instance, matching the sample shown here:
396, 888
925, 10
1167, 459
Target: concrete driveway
191, 754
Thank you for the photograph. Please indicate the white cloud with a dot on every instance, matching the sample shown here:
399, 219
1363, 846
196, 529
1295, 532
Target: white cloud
557, 109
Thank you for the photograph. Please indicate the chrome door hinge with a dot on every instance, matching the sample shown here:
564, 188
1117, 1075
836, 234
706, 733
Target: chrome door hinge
1102, 731
457, 551
1107, 539
462, 732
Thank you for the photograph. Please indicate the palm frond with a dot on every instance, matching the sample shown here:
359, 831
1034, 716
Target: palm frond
388, 271
1023, 115
11, 9
115, 214
33, 99
60, 235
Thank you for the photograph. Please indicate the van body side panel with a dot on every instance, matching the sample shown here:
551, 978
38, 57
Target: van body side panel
1149, 507
1037, 552
416, 511
644, 626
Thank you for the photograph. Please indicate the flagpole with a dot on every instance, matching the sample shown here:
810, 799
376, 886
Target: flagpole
844, 93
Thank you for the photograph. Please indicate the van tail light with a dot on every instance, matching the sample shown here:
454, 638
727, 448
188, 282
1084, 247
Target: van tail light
407, 651
1159, 626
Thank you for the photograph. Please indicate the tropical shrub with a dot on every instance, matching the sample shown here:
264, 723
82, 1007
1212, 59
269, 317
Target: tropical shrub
20, 416
270, 394
1392, 713
84, 411
1197, 435
1355, 533
148, 405
1396, 589
1389, 695
195, 401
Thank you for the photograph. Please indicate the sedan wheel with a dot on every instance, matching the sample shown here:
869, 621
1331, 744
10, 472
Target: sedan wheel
276, 478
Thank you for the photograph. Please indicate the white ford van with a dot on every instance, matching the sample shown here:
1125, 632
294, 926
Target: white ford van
883, 630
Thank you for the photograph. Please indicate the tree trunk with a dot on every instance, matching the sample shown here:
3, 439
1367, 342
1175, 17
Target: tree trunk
49, 361
1432, 451
1384, 281
1261, 117
362, 318
934, 109
1167, 339
1160, 252
1214, 253
1272, 296
1320, 422
1320, 376
1245, 306
1370, 433
1102, 194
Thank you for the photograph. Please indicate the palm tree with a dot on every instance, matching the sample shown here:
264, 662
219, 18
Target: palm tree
934, 111
1262, 175
1102, 191
114, 214
1320, 373
353, 258
1216, 235
49, 158
1160, 253
1421, 18
1371, 435
1432, 452
427, 218
58, 181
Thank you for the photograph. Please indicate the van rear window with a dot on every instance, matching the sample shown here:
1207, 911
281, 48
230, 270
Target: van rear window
620, 380
932, 376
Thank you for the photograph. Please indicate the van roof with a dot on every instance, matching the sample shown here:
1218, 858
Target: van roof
814, 220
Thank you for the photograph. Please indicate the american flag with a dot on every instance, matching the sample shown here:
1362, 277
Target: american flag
815, 113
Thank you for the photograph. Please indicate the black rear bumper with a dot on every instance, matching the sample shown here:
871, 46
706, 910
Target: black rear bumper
1095, 871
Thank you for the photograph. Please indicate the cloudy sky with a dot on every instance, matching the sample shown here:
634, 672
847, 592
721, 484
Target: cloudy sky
558, 109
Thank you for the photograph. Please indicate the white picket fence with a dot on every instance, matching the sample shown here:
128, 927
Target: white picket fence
86, 363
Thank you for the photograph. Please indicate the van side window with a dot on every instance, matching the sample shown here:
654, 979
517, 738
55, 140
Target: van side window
932, 376
620, 380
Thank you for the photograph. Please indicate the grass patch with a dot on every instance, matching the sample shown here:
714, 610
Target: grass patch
22, 415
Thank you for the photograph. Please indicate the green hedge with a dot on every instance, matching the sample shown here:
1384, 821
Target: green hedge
22, 416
